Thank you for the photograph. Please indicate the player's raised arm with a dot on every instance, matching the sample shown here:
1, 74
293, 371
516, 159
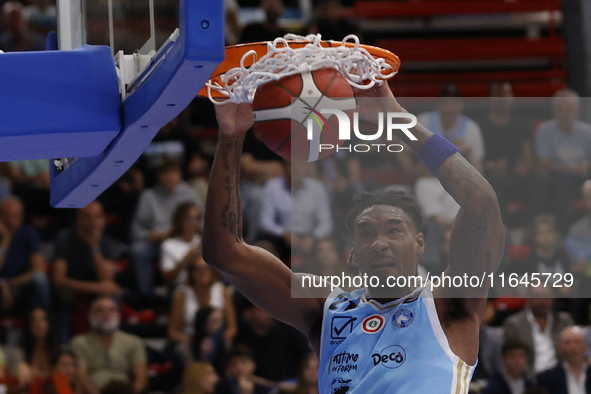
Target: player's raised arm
256, 273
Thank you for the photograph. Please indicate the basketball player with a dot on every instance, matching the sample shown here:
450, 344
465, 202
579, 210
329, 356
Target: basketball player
369, 341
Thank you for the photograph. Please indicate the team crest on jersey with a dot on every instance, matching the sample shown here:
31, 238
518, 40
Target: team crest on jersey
403, 318
373, 324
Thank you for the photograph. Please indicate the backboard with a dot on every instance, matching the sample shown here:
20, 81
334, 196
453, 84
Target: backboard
163, 53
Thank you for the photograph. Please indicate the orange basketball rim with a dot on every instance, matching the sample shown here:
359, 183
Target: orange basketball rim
234, 54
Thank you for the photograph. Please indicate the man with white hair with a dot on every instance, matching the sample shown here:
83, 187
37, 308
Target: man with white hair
106, 353
563, 149
573, 374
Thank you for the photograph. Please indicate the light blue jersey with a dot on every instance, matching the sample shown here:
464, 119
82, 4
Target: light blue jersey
398, 347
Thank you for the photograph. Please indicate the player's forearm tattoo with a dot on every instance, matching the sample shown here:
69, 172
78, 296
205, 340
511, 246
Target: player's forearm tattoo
466, 239
231, 212
460, 172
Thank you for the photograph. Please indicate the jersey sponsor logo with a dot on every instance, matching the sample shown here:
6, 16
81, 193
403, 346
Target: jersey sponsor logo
340, 386
373, 324
391, 357
410, 300
343, 362
403, 318
341, 326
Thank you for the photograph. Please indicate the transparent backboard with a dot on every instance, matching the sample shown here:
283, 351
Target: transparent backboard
133, 26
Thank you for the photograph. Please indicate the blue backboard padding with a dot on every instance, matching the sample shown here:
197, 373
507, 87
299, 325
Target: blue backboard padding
57, 104
189, 63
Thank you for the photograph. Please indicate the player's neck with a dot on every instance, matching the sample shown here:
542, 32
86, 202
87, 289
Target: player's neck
385, 296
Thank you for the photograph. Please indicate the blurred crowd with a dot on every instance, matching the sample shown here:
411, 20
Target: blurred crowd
83, 294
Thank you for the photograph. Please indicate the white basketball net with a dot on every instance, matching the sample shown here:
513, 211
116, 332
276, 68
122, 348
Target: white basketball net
356, 64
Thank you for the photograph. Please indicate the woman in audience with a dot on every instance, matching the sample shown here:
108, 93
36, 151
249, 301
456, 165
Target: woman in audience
208, 344
200, 378
183, 246
202, 289
39, 344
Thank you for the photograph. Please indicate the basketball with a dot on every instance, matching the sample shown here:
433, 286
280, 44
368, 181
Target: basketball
283, 125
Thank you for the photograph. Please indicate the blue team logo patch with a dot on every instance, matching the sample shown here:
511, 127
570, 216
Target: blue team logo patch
403, 318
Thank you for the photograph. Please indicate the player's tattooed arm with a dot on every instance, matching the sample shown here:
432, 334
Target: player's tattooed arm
253, 271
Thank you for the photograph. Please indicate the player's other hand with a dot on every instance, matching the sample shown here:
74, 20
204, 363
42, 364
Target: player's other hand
234, 119
378, 98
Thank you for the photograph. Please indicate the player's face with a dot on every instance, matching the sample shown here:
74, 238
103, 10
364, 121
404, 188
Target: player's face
386, 242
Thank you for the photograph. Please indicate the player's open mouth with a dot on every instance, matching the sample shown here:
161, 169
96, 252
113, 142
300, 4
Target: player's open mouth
382, 262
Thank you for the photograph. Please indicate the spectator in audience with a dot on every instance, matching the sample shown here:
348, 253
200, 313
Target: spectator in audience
197, 171
10, 358
269, 29
64, 377
296, 211
448, 121
40, 344
278, 349
30, 174
578, 244
173, 142
508, 144
200, 378
573, 374
108, 354
153, 220
208, 343
119, 201
538, 326
563, 149
331, 21
202, 289
15, 35
341, 173
490, 359
232, 26
82, 267
439, 209
240, 378
5, 183
307, 378
22, 267
326, 259
184, 245
41, 16
548, 255
257, 165
512, 379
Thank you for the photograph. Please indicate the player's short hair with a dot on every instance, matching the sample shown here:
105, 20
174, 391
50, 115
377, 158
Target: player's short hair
514, 344
395, 198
